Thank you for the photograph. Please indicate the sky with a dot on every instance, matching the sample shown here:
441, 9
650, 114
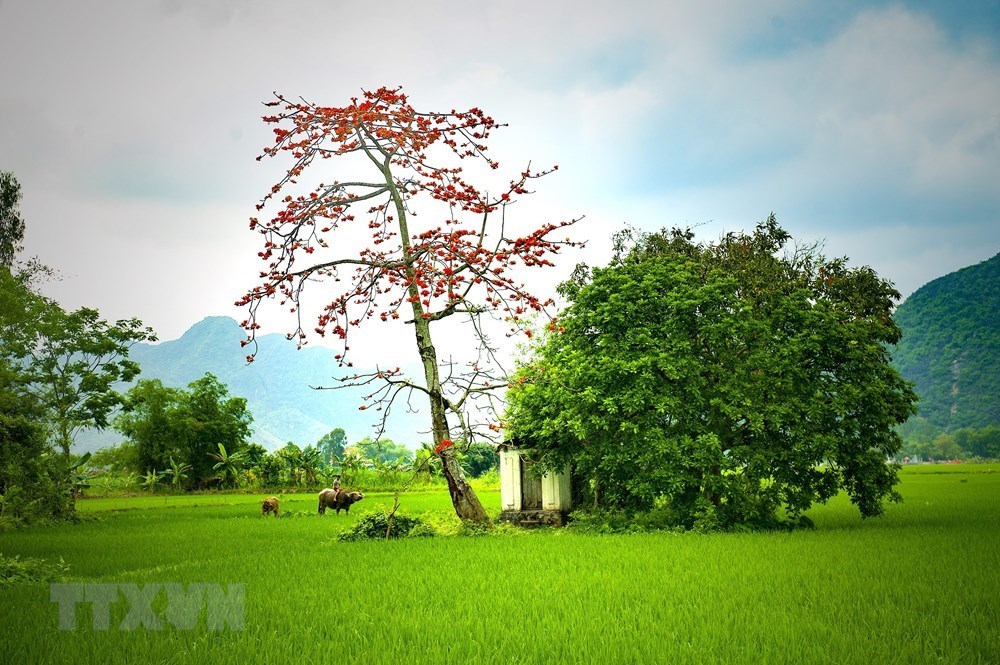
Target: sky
134, 126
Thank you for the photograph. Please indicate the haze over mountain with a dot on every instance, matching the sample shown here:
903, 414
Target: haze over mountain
951, 347
276, 386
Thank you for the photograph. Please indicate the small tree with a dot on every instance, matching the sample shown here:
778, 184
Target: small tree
291, 455
457, 263
153, 419
311, 461
478, 458
79, 474
11, 223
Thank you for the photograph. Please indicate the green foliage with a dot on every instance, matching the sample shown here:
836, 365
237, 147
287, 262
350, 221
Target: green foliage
478, 458
381, 524
11, 223
70, 360
269, 470
120, 458
79, 475
725, 380
151, 480
983, 443
332, 444
16, 571
187, 426
951, 347
384, 450
255, 454
33, 484
927, 442
228, 466
177, 472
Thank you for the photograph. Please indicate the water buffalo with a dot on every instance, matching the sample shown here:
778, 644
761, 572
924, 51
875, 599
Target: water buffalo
270, 505
337, 498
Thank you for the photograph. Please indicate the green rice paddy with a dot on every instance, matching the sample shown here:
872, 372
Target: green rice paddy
919, 585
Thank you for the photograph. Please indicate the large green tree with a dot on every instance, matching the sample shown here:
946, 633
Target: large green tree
723, 380
332, 444
70, 361
32, 482
153, 420
174, 426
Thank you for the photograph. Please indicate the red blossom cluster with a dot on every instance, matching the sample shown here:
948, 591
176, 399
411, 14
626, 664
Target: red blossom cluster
445, 443
461, 264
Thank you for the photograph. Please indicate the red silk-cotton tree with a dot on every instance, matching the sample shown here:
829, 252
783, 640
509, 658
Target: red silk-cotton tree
395, 160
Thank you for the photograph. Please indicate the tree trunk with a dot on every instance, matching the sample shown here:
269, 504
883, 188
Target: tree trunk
463, 497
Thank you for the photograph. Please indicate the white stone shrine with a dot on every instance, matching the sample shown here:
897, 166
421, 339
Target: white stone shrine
529, 499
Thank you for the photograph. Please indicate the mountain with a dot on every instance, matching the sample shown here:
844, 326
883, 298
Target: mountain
276, 386
951, 347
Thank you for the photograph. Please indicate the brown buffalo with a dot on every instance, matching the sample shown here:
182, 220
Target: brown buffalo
338, 498
270, 505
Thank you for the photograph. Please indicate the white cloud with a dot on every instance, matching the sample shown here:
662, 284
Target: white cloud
133, 127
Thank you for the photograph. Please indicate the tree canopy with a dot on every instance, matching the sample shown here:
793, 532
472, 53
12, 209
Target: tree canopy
720, 380
172, 426
11, 222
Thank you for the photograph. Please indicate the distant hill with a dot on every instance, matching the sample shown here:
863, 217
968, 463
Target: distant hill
276, 386
951, 347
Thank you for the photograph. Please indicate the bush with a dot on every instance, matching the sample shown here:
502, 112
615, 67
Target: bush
18, 571
374, 525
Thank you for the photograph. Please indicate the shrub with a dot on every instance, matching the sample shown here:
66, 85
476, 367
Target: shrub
375, 525
18, 571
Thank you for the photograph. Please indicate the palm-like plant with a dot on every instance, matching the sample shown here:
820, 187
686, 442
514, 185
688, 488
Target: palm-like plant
228, 465
177, 473
426, 461
311, 461
104, 483
79, 476
130, 480
350, 462
292, 456
150, 480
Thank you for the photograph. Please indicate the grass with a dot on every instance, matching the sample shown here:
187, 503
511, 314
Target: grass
920, 584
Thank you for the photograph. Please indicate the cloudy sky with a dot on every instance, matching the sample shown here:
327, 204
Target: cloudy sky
133, 126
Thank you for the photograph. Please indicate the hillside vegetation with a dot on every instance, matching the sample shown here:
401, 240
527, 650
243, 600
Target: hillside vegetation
951, 347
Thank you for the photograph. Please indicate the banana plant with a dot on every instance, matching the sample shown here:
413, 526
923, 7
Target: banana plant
177, 473
79, 476
228, 465
311, 461
150, 480
427, 462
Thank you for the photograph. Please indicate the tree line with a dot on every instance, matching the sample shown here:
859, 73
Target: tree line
200, 438
57, 372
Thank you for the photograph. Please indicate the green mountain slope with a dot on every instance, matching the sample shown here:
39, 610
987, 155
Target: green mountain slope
951, 347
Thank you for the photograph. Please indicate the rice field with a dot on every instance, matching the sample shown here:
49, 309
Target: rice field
919, 585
